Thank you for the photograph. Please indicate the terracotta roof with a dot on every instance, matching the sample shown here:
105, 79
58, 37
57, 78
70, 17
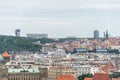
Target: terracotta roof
5, 54
101, 76
66, 77
87, 78
115, 79
108, 68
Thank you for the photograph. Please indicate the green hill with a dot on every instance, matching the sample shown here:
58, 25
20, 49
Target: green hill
10, 43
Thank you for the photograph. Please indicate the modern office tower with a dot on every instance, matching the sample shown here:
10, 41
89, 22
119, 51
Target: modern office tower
96, 34
17, 32
37, 36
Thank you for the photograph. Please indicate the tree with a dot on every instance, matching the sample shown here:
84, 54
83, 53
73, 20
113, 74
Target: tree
114, 51
81, 77
10, 43
115, 75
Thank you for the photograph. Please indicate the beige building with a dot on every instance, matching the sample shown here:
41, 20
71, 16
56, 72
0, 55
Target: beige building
21, 63
53, 72
3, 72
24, 74
43, 72
25, 70
46, 49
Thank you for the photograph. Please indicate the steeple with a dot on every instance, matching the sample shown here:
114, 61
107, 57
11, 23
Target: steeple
106, 34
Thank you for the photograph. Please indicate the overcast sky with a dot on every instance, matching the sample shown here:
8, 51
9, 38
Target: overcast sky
60, 18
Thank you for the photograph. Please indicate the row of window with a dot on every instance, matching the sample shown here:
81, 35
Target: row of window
24, 74
24, 79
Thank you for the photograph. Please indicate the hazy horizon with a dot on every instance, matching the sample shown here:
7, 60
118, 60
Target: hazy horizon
60, 18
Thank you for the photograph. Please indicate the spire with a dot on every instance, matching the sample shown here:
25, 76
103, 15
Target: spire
106, 34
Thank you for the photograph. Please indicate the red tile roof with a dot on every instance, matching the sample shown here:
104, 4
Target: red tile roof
5, 54
115, 79
108, 68
88, 78
101, 76
66, 77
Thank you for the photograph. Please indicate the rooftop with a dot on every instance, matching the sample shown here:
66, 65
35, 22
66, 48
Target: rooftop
87, 78
6, 54
101, 76
23, 70
66, 77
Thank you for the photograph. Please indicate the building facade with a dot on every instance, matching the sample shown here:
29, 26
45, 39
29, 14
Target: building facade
46, 49
17, 32
37, 36
24, 74
54, 72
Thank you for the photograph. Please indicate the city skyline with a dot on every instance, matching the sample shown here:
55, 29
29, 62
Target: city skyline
60, 18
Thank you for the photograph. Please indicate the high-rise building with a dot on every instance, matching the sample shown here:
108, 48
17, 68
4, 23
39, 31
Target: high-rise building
96, 34
17, 32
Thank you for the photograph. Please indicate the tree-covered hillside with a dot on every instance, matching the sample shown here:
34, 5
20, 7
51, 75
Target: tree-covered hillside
10, 43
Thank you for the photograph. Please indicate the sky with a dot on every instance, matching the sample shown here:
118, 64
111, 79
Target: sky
60, 18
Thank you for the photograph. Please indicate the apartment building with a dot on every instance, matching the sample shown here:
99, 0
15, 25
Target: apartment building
24, 74
54, 72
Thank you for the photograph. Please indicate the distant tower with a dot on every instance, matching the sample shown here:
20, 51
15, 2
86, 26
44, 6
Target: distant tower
104, 36
17, 32
107, 34
96, 34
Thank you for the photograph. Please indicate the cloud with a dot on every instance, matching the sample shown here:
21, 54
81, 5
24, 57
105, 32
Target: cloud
57, 4
58, 16
34, 20
35, 7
